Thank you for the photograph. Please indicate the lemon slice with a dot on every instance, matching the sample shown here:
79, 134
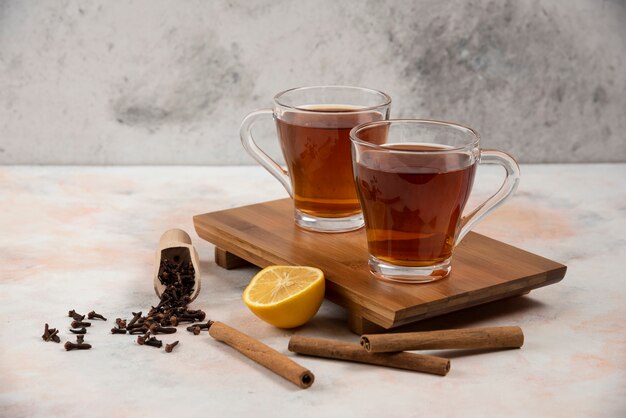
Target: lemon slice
285, 296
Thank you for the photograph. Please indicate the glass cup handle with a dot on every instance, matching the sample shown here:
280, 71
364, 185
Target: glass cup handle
506, 190
257, 153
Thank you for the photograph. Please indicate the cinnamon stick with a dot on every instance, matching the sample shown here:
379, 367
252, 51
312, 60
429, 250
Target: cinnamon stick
353, 352
262, 354
469, 338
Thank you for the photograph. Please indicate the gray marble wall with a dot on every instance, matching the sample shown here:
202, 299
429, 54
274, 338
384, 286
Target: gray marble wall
168, 82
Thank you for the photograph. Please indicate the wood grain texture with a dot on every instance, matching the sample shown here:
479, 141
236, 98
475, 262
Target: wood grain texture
483, 269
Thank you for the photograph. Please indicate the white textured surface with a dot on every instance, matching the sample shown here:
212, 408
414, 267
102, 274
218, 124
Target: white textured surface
84, 238
164, 82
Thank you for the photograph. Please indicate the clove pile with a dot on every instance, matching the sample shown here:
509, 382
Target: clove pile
178, 278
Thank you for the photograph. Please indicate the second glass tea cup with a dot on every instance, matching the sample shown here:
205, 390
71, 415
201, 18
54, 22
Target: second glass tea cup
414, 178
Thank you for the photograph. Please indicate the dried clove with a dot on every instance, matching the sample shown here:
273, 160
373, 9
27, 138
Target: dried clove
148, 323
141, 340
80, 339
54, 337
80, 346
170, 347
157, 329
118, 331
73, 314
79, 324
94, 315
201, 326
136, 325
158, 317
50, 334
153, 342
199, 315
82, 330
136, 316
46, 333
121, 323
140, 330
178, 278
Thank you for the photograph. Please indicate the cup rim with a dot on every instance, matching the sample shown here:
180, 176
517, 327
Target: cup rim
385, 96
472, 144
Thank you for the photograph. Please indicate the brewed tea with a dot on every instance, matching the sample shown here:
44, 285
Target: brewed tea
413, 202
316, 147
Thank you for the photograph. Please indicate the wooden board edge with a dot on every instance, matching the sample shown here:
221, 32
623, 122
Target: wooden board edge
443, 307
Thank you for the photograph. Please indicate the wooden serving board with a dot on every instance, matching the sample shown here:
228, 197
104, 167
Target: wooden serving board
483, 269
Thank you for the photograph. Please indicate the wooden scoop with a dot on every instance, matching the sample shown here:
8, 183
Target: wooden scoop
175, 245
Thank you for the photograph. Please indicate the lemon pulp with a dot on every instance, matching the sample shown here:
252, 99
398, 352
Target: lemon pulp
285, 296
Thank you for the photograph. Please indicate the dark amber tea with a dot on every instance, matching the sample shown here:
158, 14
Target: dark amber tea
414, 177
316, 147
313, 126
412, 203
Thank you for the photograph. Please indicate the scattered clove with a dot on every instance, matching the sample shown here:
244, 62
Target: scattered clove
46, 333
118, 331
201, 326
170, 347
121, 323
82, 330
54, 337
50, 334
153, 342
79, 346
79, 324
73, 314
80, 339
94, 315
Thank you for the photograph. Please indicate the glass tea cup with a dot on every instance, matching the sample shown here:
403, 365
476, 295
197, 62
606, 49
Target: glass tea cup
313, 126
413, 179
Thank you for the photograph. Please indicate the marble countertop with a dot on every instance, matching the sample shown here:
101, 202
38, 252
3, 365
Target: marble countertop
84, 238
